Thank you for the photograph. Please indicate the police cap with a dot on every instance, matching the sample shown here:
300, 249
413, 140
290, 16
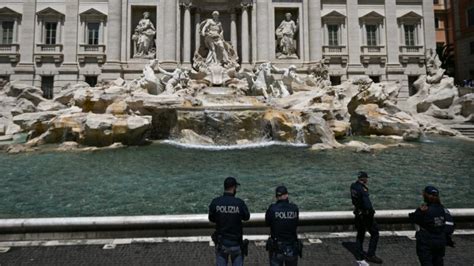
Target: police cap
281, 190
362, 174
430, 190
230, 182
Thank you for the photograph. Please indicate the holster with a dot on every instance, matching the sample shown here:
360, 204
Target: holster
271, 245
364, 218
244, 247
300, 248
285, 248
215, 238
449, 241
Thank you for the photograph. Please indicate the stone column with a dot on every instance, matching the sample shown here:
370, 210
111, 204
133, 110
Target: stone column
28, 22
101, 32
197, 34
69, 71
15, 31
354, 42
253, 36
160, 31
114, 31
263, 29
70, 34
187, 33
25, 71
315, 43
394, 71
245, 34
112, 68
233, 29
170, 31
59, 31
326, 34
428, 22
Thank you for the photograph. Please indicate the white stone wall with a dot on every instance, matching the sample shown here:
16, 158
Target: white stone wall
70, 64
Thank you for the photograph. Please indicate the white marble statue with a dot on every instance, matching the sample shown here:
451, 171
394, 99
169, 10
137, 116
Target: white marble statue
260, 81
289, 76
216, 58
148, 81
144, 38
213, 33
264, 81
433, 67
286, 45
174, 81
318, 75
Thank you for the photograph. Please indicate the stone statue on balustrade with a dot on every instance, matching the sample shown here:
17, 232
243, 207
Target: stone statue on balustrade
285, 33
217, 56
144, 38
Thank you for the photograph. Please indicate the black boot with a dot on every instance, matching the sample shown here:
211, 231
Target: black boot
374, 259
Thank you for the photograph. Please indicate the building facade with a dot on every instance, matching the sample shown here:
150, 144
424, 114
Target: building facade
444, 26
50, 43
444, 31
462, 16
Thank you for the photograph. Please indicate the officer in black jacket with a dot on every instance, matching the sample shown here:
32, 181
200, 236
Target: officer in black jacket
364, 218
434, 228
228, 212
282, 217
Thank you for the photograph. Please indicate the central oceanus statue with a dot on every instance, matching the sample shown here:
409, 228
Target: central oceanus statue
216, 57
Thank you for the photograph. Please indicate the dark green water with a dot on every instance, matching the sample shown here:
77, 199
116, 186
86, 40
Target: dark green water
165, 179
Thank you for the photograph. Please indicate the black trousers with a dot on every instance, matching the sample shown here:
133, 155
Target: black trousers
277, 259
430, 254
365, 224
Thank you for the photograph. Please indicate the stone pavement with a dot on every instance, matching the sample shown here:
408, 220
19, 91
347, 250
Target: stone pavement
395, 250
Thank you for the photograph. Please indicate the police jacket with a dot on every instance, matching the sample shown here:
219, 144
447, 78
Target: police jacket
228, 212
360, 197
435, 223
282, 217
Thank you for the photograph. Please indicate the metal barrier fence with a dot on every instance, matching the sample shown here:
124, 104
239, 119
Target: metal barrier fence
195, 221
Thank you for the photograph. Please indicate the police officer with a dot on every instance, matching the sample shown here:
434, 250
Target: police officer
364, 218
228, 212
282, 217
434, 228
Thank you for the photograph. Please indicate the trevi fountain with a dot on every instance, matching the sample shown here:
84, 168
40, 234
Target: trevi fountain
129, 147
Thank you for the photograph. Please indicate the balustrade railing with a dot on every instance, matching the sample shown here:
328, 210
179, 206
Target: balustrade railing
9, 48
334, 49
411, 49
92, 48
373, 49
49, 48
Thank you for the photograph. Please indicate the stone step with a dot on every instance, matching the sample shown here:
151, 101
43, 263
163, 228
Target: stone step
466, 129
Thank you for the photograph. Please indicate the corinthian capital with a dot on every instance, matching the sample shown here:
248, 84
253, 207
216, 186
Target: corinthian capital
186, 3
245, 4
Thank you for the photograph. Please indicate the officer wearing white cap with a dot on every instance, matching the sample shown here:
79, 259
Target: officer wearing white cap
228, 212
435, 226
282, 217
